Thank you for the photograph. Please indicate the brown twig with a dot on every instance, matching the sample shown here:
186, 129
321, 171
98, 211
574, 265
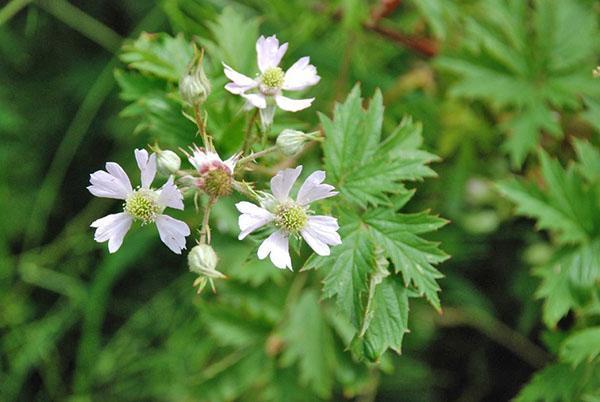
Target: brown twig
385, 8
421, 45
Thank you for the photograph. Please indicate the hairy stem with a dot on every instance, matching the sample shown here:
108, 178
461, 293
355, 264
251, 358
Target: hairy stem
248, 132
205, 229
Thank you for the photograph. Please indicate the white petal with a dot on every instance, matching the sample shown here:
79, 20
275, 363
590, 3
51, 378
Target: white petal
320, 232
277, 246
292, 105
237, 78
172, 232
232, 161
256, 100
170, 196
313, 190
252, 218
112, 183
147, 166
112, 228
240, 82
282, 182
201, 159
268, 52
301, 75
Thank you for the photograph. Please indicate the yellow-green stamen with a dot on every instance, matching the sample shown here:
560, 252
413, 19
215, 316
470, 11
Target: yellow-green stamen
291, 217
141, 205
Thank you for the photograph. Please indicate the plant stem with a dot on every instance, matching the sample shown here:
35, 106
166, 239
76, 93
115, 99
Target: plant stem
201, 126
495, 329
82, 22
205, 229
248, 132
12, 8
257, 155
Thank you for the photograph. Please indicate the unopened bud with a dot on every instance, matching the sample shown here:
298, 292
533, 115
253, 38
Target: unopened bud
194, 87
596, 72
202, 260
168, 162
290, 142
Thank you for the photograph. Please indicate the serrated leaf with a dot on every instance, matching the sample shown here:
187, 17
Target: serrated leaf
566, 207
366, 170
388, 321
555, 383
413, 256
556, 292
159, 54
581, 346
524, 58
589, 159
309, 342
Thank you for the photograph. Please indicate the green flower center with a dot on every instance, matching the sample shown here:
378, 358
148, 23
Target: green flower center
141, 205
217, 182
273, 78
290, 217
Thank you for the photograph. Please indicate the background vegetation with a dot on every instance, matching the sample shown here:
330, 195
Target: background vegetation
504, 93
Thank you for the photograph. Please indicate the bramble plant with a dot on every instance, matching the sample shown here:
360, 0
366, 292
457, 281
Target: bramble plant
380, 258
265, 229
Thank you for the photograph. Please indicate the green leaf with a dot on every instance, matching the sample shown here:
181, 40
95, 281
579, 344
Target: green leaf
589, 159
527, 59
558, 382
388, 320
566, 208
366, 170
582, 346
556, 292
160, 55
415, 257
233, 40
309, 342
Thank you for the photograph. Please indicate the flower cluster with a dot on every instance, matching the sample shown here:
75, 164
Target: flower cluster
212, 177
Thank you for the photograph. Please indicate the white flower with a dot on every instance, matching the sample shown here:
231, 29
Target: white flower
291, 217
143, 204
216, 175
268, 85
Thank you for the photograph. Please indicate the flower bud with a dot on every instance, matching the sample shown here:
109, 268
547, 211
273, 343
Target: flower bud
194, 87
290, 142
168, 162
202, 260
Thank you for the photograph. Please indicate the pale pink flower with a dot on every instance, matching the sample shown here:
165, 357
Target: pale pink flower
143, 204
267, 87
291, 217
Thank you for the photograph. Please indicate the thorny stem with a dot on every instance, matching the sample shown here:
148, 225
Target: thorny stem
205, 229
248, 132
256, 155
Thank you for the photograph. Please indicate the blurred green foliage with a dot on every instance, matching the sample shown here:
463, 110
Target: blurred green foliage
509, 104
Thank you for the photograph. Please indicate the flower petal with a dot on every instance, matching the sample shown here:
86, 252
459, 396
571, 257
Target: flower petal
301, 75
112, 183
201, 159
320, 232
170, 196
240, 82
172, 232
313, 190
147, 166
113, 228
256, 100
282, 182
292, 105
277, 246
252, 218
268, 52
